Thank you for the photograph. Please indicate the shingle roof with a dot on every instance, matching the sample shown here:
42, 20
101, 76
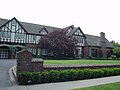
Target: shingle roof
95, 41
30, 27
3, 21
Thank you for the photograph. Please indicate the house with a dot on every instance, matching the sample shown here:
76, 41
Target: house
16, 35
97, 47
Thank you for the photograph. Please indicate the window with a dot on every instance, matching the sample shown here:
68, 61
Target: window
34, 39
94, 52
3, 53
29, 39
13, 28
33, 51
39, 51
13, 22
37, 39
0, 33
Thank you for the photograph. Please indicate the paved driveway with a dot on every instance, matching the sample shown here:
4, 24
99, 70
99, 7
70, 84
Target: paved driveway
5, 65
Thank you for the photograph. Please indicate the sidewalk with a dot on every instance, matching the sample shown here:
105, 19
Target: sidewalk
66, 85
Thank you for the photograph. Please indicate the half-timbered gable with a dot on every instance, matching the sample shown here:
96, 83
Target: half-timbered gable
43, 31
12, 31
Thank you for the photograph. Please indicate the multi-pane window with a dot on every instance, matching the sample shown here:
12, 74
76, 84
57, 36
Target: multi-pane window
5, 34
3, 53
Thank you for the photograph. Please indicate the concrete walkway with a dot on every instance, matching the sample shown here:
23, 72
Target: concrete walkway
66, 85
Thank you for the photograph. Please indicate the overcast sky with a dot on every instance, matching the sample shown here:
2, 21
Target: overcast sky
92, 16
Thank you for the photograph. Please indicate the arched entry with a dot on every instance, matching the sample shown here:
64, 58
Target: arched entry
9, 51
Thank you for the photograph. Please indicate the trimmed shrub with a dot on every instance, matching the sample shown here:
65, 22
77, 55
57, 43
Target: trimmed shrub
63, 75
36, 77
26, 78
53, 76
45, 77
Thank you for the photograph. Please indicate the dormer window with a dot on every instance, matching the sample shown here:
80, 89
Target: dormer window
43, 31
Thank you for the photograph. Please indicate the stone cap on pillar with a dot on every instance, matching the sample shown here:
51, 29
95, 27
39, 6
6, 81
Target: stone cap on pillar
37, 60
24, 50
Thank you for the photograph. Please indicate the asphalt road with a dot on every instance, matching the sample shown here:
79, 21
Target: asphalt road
5, 65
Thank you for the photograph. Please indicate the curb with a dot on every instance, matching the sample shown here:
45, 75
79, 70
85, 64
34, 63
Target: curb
12, 76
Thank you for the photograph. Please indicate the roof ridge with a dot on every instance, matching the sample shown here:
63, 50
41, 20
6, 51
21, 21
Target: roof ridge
93, 35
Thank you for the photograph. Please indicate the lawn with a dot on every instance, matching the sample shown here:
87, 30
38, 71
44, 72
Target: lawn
112, 86
65, 62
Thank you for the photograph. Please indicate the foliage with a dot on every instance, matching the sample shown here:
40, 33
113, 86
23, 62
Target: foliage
26, 78
115, 44
116, 50
59, 43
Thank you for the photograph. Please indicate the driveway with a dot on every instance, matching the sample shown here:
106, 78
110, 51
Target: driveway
5, 65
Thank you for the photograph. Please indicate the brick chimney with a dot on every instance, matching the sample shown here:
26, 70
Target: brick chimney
103, 44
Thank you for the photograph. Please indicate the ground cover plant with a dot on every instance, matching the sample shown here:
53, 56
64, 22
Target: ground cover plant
112, 86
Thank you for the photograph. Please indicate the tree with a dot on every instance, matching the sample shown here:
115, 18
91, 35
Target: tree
116, 50
59, 43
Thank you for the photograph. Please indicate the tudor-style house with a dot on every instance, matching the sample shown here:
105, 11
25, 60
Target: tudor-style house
16, 35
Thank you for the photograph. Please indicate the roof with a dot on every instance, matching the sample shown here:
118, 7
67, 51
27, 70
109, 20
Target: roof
35, 28
95, 41
30, 27
3, 21
74, 30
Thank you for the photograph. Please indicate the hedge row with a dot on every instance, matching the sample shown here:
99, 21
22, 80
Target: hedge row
26, 78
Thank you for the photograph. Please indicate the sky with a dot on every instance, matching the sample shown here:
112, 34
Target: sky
92, 16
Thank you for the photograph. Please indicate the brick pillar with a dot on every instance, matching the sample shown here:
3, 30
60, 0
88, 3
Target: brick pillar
24, 63
103, 44
37, 65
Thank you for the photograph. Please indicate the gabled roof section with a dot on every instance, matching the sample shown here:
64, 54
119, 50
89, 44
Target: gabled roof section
43, 29
66, 28
29, 27
5, 21
95, 41
74, 30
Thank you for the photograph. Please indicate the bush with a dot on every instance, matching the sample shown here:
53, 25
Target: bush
36, 77
45, 77
53, 76
26, 78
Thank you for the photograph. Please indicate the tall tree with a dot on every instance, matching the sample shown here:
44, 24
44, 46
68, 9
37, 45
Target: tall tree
59, 43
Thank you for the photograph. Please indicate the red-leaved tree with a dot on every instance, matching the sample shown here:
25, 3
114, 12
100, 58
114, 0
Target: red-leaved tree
58, 43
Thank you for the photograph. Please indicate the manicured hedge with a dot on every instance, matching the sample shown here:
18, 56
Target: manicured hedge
26, 78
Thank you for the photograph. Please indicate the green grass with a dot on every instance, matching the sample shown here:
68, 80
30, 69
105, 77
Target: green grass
65, 62
112, 86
